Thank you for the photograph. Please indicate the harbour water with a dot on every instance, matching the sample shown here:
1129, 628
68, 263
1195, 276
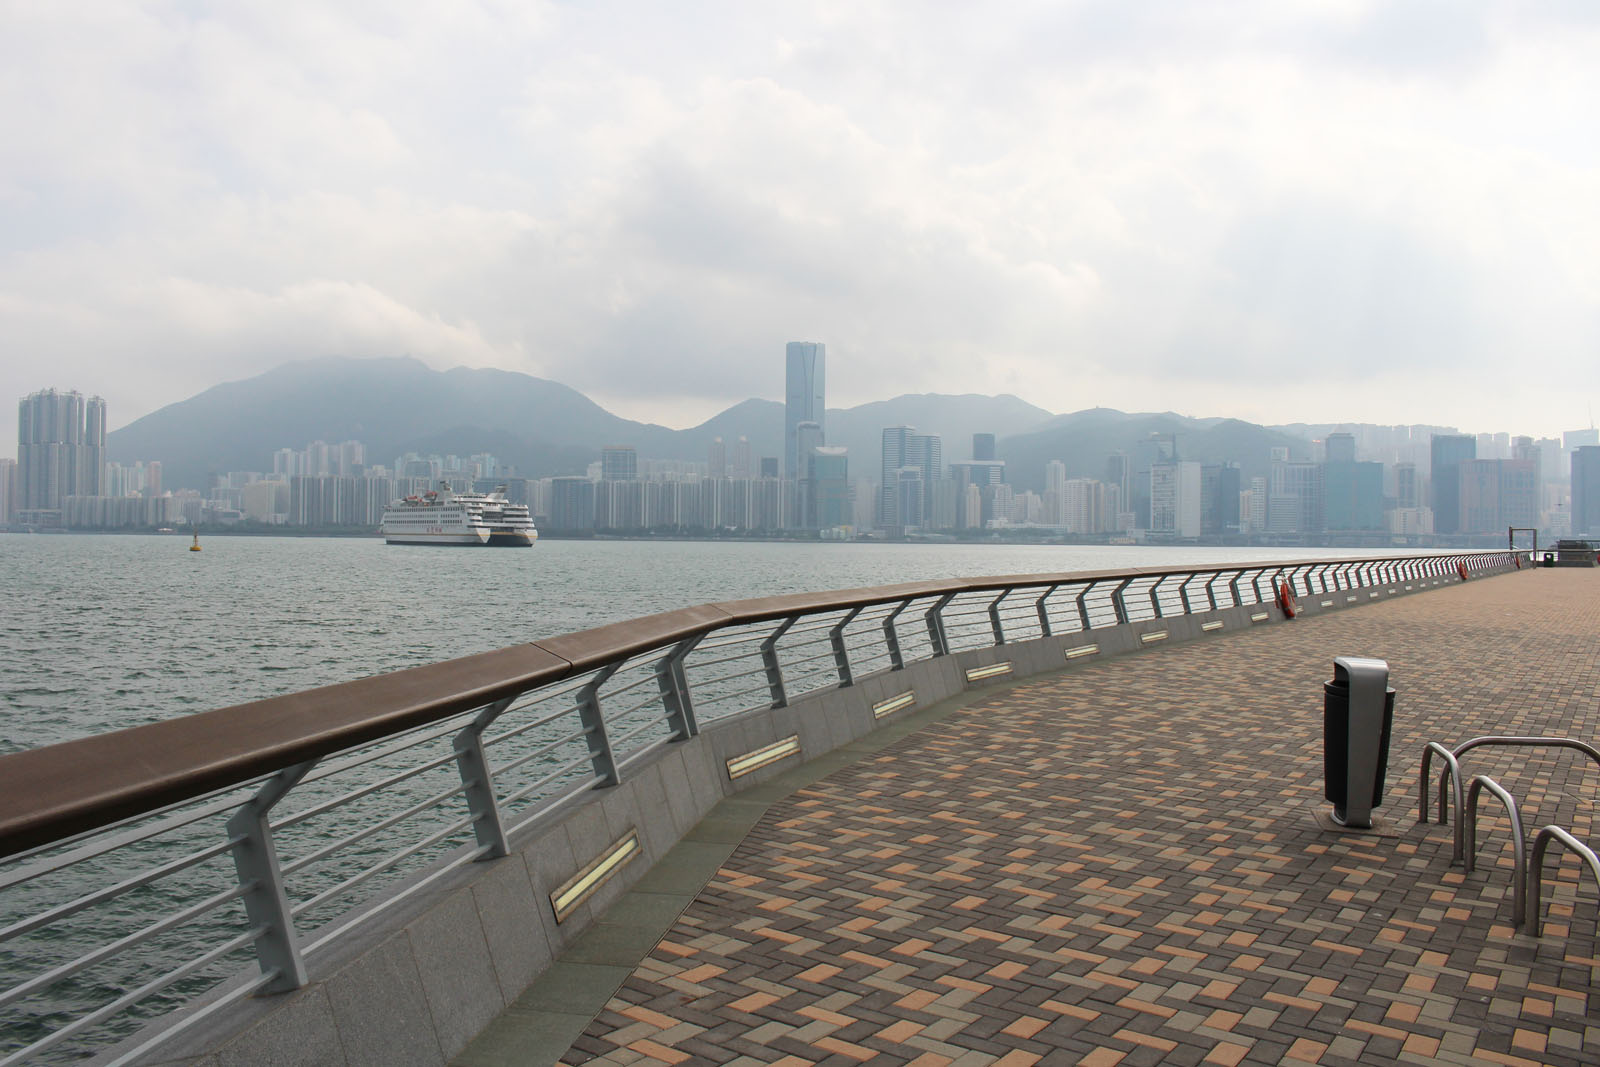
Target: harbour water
104, 631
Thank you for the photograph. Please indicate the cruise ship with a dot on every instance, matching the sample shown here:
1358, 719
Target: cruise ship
445, 517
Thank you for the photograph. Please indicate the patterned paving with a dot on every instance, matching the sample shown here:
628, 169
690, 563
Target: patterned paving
1121, 864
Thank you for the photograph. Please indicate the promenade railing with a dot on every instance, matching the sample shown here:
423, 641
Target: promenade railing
145, 868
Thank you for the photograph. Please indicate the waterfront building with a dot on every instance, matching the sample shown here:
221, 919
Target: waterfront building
1447, 452
1055, 492
61, 443
1174, 499
8, 483
769, 467
1219, 499
571, 503
1407, 486
717, 459
1295, 502
1585, 520
1353, 495
829, 498
803, 398
739, 464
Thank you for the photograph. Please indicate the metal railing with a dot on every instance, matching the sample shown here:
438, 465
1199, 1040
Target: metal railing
223, 850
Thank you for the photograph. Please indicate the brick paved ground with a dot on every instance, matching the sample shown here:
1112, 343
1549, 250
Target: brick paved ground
1121, 864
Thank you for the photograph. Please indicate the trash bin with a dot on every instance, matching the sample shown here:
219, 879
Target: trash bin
1549, 559
1357, 718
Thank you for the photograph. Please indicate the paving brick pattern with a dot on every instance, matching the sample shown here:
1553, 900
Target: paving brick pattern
1120, 864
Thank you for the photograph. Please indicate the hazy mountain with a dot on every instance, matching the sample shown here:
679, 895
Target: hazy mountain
954, 418
393, 405
1084, 439
544, 428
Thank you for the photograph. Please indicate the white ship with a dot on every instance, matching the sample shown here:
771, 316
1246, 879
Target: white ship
445, 517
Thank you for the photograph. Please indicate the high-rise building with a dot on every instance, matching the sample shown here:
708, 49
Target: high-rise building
717, 459
1174, 499
739, 465
1119, 472
8, 485
1340, 448
803, 398
830, 488
619, 463
1586, 491
1447, 452
982, 446
1353, 495
61, 442
1407, 487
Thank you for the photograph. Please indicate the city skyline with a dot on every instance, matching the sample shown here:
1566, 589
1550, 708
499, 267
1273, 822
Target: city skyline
1377, 213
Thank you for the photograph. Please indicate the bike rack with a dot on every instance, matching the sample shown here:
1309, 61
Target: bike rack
1469, 819
1536, 868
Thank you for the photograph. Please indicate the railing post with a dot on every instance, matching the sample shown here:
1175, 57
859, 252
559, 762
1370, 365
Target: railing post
774, 669
266, 904
1233, 587
1211, 589
841, 654
935, 620
601, 757
1183, 594
477, 781
1083, 607
1155, 600
892, 639
1044, 614
1117, 605
994, 619
673, 685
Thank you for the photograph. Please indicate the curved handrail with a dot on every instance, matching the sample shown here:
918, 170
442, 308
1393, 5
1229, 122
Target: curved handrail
77, 786
1479, 783
1453, 772
1541, 842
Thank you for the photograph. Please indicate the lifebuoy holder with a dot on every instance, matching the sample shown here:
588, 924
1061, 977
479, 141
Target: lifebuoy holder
1286, 603
1461, 569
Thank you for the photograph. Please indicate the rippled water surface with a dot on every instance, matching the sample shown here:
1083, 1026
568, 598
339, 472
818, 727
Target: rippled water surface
104, 631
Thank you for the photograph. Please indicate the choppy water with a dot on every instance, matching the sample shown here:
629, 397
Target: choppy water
104, 631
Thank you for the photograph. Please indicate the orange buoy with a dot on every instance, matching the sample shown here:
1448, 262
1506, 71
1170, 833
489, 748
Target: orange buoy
1286, 602
1461, 569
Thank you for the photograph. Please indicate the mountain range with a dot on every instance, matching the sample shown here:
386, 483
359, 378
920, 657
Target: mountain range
544, 428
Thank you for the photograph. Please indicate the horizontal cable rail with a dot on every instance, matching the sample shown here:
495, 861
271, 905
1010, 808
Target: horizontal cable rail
259, 834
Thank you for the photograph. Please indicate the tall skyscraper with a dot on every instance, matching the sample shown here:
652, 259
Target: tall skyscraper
61, 442
1340, 448
803, 398
1447, 452
1586, 491
983, 446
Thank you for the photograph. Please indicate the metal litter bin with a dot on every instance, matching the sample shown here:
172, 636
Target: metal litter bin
1357, 718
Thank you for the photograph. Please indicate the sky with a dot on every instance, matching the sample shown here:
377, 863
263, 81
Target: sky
1320, 211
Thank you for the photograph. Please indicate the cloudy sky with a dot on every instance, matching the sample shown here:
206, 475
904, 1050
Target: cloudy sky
1325, 210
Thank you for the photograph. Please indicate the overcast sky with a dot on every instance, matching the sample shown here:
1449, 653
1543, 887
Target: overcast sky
1319, 211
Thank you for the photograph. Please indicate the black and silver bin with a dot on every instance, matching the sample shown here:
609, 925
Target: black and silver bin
1357, 717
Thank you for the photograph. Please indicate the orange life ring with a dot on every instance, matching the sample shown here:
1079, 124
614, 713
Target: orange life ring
1517, 559
1461, 569
1286, 602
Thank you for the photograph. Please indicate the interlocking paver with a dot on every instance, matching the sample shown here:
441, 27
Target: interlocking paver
1120, 864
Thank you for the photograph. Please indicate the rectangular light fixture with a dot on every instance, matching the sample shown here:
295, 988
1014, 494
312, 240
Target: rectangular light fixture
1408, 589
1214, 624
1327, 603
1392, 592
583, 885
1081, 651
740, 766
894, 704
1372, 595
994, 670
1260, 616
1152, 637
1351, 599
